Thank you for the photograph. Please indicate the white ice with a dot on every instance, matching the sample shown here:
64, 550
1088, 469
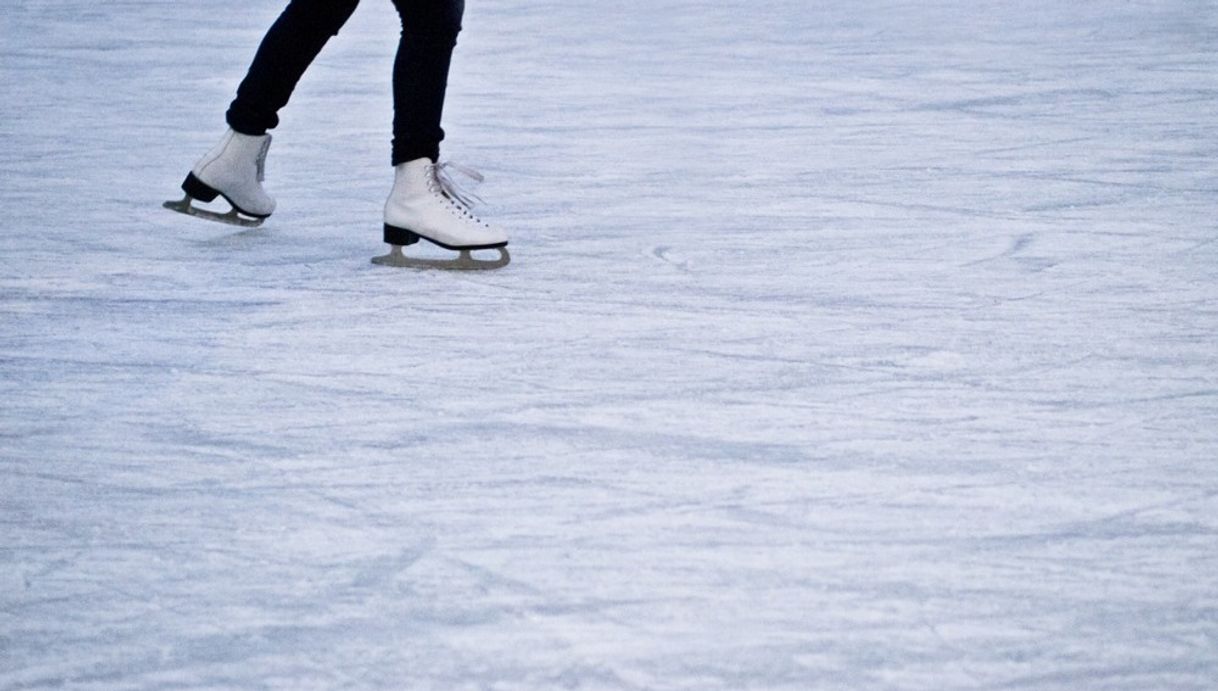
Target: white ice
847, 344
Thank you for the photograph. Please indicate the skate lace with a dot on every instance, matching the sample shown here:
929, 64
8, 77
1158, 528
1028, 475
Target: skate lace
444, 183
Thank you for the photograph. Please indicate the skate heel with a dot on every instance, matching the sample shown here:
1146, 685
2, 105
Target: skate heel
399, 236
198, 189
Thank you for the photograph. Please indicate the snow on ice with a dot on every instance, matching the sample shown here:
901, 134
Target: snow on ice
846, 345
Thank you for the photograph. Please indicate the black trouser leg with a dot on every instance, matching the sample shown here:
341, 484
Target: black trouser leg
420, 75
420, 71
290, 45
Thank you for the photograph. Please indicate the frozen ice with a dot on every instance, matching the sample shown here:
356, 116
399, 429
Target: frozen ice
846, 344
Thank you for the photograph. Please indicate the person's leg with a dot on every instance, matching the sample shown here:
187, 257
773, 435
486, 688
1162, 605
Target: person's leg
234, 167
288, 49
420, 75
423, 205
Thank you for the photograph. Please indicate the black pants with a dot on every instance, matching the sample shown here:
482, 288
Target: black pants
420, 72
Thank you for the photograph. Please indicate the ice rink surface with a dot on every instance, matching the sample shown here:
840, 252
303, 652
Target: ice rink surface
846, 345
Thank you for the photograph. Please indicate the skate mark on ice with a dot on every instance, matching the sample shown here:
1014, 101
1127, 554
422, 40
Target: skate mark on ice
661, 505
921, 206
1018, 244
487, 577
672, 444
988, 105
1034, 145
664, 254
1134, 512
1196, 246
377, 571
1013, 252
29, 578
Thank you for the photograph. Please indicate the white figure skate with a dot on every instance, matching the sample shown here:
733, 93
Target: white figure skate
234, 169
426, 204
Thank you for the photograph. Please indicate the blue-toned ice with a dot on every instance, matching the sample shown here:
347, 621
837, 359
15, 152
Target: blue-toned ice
846, 345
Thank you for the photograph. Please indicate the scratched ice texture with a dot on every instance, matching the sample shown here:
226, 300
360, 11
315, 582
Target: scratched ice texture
848, 344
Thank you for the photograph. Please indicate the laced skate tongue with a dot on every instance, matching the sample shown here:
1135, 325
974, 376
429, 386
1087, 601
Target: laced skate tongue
451, 189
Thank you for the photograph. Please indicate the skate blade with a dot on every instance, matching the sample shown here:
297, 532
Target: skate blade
464, 262
232, 217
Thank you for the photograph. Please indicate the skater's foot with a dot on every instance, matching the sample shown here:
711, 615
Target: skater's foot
233, 169
426, 204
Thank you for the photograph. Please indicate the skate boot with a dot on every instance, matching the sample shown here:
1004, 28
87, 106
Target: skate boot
426, 204
234, 169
